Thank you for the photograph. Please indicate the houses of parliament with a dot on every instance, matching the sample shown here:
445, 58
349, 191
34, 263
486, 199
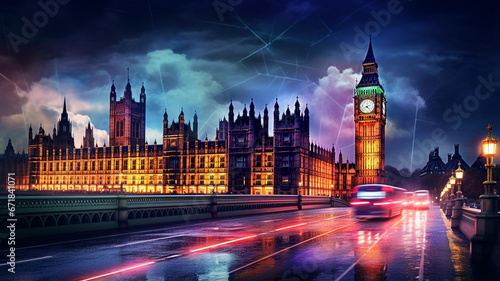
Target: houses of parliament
243, 159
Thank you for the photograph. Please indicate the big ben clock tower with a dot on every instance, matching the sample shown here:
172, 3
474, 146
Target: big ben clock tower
370, 120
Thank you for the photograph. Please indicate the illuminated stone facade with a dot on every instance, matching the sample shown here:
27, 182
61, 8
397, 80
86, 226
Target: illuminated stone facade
243, 159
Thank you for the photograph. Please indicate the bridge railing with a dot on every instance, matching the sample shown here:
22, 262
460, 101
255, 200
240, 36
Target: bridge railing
481, 227
50, 215
468, 221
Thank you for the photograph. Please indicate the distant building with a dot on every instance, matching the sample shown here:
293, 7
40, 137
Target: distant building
479, 163
15, 164
435, 165
453, 161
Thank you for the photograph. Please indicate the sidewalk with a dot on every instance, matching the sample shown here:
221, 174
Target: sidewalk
453, 245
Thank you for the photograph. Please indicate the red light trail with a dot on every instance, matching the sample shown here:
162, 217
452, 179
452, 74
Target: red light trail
119, 271
291, 226
223, 243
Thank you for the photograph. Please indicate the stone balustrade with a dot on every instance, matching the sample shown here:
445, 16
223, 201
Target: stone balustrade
53, 215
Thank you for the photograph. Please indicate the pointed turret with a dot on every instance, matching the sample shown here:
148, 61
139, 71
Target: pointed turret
195, 125
128, 89
64, 114
370, 74
297, 108
143, 94
181, 116
252, 109
231, 113
30, 134
266, 121
276, 113
370, 58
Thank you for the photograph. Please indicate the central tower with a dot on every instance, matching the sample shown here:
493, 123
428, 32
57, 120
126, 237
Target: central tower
370, 120
127, 118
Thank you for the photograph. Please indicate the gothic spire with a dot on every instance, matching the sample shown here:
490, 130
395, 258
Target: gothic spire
370, 58
64, 114
128, 88
369, 76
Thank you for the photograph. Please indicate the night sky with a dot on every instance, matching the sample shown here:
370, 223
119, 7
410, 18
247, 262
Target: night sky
438, 62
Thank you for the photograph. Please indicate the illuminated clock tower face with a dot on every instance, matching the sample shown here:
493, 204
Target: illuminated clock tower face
367, 106
370, 120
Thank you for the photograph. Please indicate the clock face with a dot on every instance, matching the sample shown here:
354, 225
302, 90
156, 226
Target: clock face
367, 106
383, 108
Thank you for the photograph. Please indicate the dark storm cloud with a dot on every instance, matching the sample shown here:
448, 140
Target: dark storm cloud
433, 51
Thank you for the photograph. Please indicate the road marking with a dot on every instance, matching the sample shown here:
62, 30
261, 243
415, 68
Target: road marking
288, 248
84, 239
373, 245
421, 269
209, 247
149, 240
35, 259
271, 220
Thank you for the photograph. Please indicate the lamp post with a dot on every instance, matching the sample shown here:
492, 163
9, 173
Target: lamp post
456, 215
460, 175
299, 203
488, 220
489, 151
449, 202
445, 196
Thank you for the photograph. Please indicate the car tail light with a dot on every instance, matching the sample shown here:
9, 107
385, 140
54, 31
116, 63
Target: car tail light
387, 189
356, 203
381, 203
355, 189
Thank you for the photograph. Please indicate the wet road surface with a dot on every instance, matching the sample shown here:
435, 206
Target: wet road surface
320, 244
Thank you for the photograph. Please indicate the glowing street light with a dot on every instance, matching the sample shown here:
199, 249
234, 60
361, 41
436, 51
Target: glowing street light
460, 174
489, 151
488, 220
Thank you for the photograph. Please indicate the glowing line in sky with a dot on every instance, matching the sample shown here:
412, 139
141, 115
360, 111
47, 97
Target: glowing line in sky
414, 133
239, 83
265, 63
343, 107
251, 30
340, 128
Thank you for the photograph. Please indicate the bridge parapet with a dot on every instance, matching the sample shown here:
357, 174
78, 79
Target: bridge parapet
49, 215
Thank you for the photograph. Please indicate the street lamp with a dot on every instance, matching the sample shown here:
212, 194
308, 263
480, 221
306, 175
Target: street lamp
452, 182
300, 187
489, 150
456, 211
448, 188
488, 220
460, 174
449, 201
